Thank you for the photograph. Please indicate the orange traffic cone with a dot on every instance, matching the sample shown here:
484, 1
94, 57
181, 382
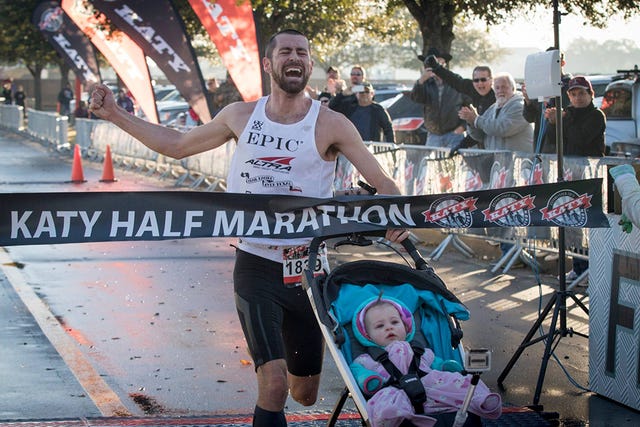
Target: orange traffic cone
77, 176
107, 169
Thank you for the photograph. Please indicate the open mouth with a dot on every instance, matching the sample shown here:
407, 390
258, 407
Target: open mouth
293, 72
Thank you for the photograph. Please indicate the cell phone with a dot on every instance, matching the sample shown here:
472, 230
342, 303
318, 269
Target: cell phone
357, 88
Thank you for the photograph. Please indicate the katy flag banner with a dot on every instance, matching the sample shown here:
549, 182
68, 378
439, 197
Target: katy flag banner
54, 218
68, 40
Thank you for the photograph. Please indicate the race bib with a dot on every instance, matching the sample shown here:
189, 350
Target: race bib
295, 261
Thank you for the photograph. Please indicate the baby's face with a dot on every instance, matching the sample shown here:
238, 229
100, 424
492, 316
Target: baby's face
384, 324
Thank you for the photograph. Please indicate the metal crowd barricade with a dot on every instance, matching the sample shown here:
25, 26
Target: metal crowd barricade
84, 131
49, 127
12, 117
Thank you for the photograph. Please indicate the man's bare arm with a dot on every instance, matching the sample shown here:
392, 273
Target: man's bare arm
162, 139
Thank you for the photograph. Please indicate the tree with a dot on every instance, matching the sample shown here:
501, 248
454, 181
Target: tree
436, 18
22, 42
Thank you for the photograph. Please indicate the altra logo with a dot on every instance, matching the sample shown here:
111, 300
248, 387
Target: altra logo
451, 212
567, 208
278, 164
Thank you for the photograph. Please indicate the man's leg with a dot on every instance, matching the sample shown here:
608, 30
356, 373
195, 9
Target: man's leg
304, 390
272, 394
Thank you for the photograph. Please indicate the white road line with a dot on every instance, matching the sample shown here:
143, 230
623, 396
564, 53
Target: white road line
97, 389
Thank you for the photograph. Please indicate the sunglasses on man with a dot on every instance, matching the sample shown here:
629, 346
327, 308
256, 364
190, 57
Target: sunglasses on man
481, 79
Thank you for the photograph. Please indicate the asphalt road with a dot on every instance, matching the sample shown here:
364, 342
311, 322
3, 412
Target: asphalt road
114, 329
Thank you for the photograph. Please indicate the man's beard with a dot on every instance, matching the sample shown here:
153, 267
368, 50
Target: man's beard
501, 100
289, 86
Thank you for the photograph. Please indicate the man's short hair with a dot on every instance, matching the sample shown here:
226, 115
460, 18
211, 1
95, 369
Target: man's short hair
271, 45
482, 68
361, 68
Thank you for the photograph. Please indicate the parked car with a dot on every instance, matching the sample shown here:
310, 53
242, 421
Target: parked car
407, 118
161, 91
621, 105
384, 91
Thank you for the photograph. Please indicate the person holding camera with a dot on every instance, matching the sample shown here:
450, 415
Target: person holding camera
479, 88
441, 105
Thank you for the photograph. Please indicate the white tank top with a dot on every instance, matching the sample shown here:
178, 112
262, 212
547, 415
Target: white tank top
276, 158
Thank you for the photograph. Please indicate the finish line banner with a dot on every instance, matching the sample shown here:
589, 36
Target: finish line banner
55, 218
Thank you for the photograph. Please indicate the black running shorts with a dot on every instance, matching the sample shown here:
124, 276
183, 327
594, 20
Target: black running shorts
278, 322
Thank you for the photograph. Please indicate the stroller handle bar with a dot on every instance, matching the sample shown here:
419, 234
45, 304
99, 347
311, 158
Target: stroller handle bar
360, 239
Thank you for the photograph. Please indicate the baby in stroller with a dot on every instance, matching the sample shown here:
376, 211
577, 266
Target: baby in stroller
407, 381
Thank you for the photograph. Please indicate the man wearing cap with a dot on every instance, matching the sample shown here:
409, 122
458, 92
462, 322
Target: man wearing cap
370, 118
333, 80
583, 125
441, 105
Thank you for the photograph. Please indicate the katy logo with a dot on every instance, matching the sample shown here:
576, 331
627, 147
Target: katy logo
257, 125
279, 164
510, 209
451, 212
51, 19
567, 208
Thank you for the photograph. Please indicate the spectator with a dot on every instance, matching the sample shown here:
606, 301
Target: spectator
20, 99
583, 128
532, 109
369, 117
479, 88
124, 101
441, 106
212, 87
64, 99
333, 80
629, 189
324, 98
502, 126
227, 93
345, 100
82, 112
6, 92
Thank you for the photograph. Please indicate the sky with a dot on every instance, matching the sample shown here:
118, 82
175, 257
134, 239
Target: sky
538, 30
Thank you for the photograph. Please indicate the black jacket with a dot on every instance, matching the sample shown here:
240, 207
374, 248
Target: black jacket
582, 132
440, 111
465, 87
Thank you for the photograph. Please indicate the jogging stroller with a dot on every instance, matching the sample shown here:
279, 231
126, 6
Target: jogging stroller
438, 313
